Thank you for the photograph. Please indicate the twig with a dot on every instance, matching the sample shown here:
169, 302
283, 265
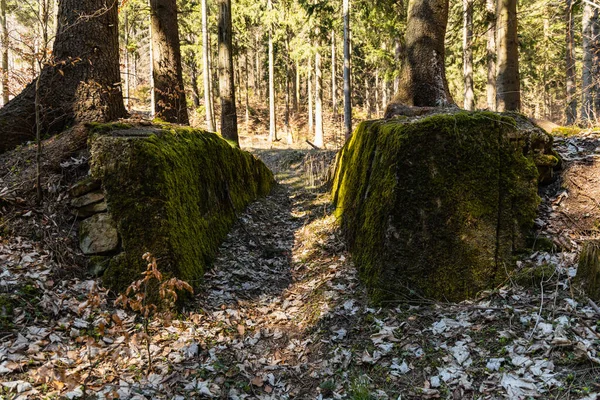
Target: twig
594, 306
313, 145
539, 316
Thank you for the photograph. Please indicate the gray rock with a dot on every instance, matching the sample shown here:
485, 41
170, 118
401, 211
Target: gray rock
90, 210
85, 186
98, 234
87, 199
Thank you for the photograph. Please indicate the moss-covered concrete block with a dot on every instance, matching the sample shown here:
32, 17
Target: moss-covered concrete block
435, 206
173, 192
588, 271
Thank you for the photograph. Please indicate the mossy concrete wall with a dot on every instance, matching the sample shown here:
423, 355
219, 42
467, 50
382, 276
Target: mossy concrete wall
437, 206
173, 192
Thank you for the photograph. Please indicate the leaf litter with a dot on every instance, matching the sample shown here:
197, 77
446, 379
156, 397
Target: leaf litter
282, 315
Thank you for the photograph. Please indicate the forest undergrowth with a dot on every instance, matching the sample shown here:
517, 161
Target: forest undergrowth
282, 315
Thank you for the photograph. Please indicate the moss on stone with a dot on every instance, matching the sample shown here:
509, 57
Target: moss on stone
436, 206
588, 271
174, 194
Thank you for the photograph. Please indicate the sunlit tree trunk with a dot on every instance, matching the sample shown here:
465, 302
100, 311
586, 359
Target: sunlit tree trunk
210, 122
319, 134
272, 116
347, 72
229, 128
490, 88
296, 88
508, 84
333, 77
5, 43
571, 85
587, 65
309, 94
71, 92
169, 93
423, 77
469, 95
376, 94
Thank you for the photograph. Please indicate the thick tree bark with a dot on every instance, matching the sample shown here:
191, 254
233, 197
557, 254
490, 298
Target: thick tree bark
490, 8
469, 100
169, 93
210, 121
4, 40
319, 135
229, 128
423, 76
347, 81
587, 82
508, 84
81, 84
570, 64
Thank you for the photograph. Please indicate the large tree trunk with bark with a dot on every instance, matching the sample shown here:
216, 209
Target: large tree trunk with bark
490, 8
229, 128
82, 82
423, 76
508, 84
169, 93
570, 64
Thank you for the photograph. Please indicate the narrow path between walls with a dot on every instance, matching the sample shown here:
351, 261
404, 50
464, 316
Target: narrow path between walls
282, 315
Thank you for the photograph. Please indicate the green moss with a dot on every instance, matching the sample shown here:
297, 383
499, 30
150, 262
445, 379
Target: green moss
566, 131
534, 276
588, 272
435, 206
174, 194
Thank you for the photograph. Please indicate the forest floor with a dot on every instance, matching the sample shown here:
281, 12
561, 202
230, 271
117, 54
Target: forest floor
282, 315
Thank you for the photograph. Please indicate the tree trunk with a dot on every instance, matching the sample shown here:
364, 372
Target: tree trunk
296, 87
229, 128
246, 99
210, 121
310, 99
376, 94
508, 85
126, 57
333, 77
194, 78
169, 93
490, 8
423, 76
587, 64
347, 82
469, 100
288, 128
272, 116
82, 83
570, 65
319, 134
5, 43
